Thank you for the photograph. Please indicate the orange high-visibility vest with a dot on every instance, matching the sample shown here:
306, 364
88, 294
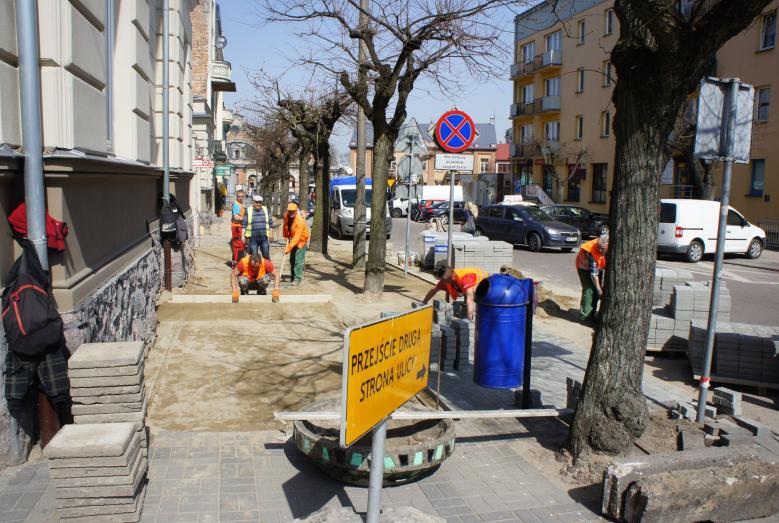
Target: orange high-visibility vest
593, 248
459, 274
260, 269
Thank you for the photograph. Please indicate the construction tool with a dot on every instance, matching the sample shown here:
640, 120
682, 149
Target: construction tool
276, 294
231, 262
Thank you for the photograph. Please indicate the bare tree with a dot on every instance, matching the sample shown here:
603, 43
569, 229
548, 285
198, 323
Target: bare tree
276, 148
571, 156
659, 59
440, 39
681, 143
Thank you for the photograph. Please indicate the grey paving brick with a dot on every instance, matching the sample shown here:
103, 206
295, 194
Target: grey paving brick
454, 511
239, 516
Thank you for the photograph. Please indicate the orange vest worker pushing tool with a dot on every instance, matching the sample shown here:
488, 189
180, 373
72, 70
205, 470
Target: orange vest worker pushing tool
458, 282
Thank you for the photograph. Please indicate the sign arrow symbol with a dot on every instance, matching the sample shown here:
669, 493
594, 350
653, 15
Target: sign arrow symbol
421, 373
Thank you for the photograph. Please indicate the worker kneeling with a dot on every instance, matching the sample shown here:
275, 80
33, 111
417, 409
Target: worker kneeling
254, 273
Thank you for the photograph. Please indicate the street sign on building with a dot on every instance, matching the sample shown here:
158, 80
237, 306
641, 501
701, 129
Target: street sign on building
202, 161
385, 364
454, 162
712, 121
223, 170
455, 131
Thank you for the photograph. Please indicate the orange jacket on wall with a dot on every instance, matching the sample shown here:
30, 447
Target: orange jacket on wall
297, 232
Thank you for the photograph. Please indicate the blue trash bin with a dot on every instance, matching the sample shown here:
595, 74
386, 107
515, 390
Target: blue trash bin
501, 317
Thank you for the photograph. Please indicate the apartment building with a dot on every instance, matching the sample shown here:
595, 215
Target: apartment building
101, 93
562, 111
484, 150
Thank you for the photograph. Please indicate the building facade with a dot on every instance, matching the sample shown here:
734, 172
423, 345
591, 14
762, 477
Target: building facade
562, 112
101, 81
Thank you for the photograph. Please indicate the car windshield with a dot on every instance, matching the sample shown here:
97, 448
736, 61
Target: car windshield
348, 196
441, 204
534, 213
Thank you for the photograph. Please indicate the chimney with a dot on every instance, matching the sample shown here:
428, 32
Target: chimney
492, 120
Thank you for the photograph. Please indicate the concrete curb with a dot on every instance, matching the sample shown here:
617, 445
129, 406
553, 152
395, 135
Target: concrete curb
253, 299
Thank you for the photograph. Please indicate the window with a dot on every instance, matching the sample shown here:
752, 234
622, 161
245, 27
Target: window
762, 102
235, 153
579, 80
579, 127
554, 41
574, 184
607, 76
605, 124
768, 32
527, 94
495, 212
393, 165
608, 22
484, 165
526, 134
599, 181
581, 31
552, 86
735, 218
528, 52
757, 183
552, 131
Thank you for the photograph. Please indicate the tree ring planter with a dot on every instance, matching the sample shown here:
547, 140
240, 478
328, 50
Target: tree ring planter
412, 450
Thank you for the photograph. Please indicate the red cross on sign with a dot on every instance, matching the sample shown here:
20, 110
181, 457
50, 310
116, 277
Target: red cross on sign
455, 131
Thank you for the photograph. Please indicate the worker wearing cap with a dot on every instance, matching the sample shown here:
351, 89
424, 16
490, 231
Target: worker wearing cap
458, 282
296, 232
591, 265
257, 223
254, 273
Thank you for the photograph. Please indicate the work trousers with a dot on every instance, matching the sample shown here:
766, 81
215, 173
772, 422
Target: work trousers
259, 243
589, 303
297, 262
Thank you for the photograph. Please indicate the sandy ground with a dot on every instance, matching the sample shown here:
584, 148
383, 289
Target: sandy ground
227, 367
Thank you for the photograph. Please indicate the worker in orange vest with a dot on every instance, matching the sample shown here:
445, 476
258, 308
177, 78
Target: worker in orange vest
236, 240
297, 234
254, 272
458, 282
591, 265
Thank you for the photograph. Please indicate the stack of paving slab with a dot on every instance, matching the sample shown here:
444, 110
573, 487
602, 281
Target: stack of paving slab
743, 352
448, 348
107, 384
488, 256
99, 472
665, 280
463, 332
433, 245
443, 312
435, 346
669, 327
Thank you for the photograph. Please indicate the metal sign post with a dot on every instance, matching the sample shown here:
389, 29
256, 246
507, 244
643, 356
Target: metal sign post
408, 205
377, 472
449, 250
733, 137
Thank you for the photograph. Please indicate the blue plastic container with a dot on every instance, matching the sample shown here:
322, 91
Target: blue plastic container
501, 317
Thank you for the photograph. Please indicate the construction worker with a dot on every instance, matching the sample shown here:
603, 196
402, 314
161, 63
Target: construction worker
236, 226
458, 282
257, 223
254, 272
297, 234
591, 264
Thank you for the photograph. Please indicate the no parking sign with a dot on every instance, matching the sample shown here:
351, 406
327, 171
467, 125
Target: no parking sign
455, 131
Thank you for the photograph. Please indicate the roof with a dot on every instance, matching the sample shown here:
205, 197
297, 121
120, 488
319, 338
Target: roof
542, 16
504, 152
486, 138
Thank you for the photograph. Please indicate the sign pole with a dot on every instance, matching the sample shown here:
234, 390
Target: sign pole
377, 472
729, 112
449, 250
408, 205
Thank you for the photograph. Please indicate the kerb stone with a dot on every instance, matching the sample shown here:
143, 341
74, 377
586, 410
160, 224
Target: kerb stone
91, 441
89, 472
109, 398
107, 381
103, 492
139, 467
99, 510
117, 354
77, 392
105, 461
105, 372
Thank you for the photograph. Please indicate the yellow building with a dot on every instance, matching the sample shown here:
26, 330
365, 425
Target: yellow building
563, 146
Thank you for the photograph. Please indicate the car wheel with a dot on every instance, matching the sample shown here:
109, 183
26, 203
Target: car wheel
445, 219
534, 242
397, 213
566, 249
694, 252
478, 232
755, 249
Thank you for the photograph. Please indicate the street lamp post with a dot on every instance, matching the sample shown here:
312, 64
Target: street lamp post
408, 204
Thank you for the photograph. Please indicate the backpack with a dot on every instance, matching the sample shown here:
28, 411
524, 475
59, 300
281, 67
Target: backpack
31, 321
182, 229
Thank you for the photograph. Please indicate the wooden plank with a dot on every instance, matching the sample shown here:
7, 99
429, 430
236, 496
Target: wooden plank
431, 414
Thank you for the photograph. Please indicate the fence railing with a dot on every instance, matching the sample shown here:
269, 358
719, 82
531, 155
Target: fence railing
771, 229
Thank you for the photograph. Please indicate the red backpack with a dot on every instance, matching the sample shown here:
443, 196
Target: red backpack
31, 321
56, 231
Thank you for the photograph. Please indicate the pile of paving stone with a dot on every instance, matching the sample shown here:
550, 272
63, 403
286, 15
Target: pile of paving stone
107, 384
98, 471
665, 280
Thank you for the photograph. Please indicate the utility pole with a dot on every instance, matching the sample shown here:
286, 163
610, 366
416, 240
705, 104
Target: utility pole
166, 135
360, 214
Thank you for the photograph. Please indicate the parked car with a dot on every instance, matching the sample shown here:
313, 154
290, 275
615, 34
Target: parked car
527, 225
690, 228
441, 210
416, 209
589, 223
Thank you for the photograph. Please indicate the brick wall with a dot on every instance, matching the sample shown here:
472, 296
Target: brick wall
200, 18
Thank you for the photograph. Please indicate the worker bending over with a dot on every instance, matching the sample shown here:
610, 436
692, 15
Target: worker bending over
458, 282
591, 265
296, 232
254, 272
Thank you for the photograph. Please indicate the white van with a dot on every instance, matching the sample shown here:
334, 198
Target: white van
689, 227
342, 198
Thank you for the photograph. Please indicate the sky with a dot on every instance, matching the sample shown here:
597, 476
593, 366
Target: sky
254, 46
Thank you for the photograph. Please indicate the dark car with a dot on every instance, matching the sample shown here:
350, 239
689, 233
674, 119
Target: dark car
589, 223
528, 225
441, 210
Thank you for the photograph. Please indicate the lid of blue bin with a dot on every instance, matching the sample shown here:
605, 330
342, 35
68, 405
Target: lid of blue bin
502, 289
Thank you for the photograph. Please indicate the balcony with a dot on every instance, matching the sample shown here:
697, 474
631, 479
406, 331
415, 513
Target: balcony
551, 58
550, 103
221, 73
523, 150
523, 109
519, 70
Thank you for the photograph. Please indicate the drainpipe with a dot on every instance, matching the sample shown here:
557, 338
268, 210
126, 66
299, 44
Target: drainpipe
166, 133
109, 77
32, 135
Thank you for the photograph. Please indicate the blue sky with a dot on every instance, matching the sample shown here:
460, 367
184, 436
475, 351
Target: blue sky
254, 46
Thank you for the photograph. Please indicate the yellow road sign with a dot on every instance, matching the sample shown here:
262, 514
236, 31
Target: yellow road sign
385, 365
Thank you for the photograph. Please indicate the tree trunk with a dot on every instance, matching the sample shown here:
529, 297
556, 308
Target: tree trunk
320, 229
383, 146
303, 178
701, 175
612, 410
